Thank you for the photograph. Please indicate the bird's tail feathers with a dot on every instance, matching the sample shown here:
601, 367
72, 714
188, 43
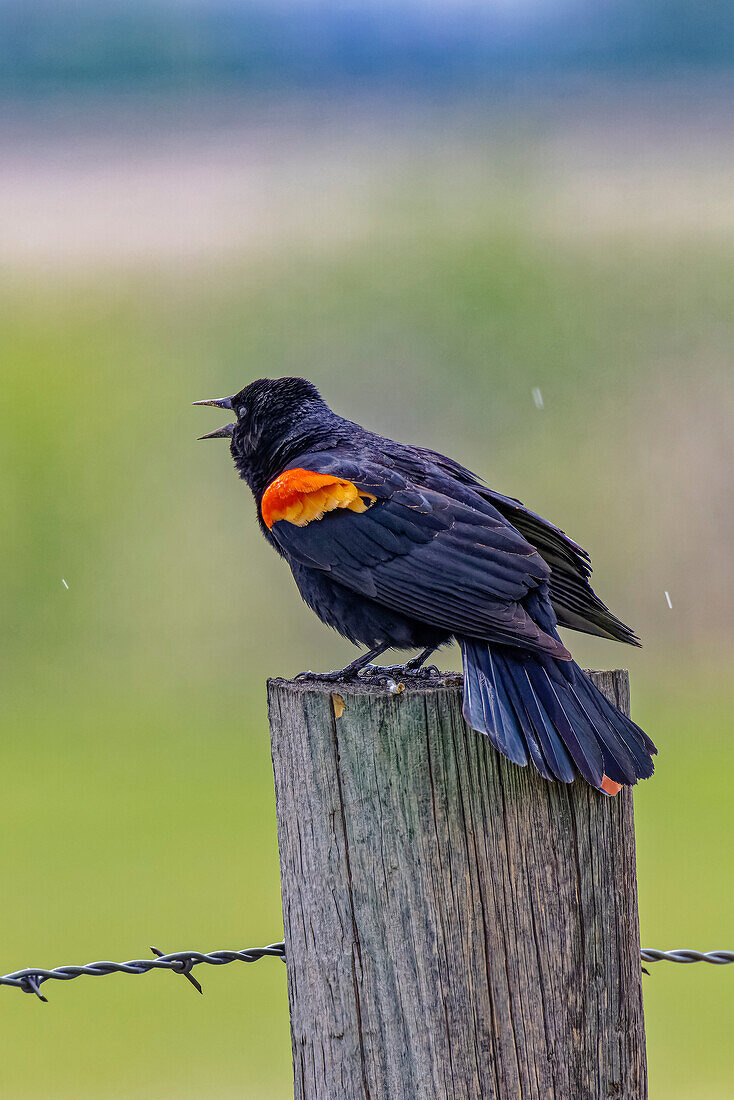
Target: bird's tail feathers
534, 708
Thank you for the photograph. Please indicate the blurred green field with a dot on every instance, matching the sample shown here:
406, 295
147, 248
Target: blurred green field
137, 793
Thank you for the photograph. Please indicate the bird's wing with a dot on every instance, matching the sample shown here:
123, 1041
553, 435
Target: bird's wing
574, 601
416, 550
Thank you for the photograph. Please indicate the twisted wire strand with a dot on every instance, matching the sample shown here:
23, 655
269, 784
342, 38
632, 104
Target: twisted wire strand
30, 979
686, 955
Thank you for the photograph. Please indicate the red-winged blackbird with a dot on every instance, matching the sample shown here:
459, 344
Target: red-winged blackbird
400, 547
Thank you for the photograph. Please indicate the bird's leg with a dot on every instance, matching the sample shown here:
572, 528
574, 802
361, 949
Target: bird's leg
349, 672
415, 664
413, 667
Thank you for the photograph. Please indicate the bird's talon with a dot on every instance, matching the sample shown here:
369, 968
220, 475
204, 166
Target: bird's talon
379, 672
369, 670
318, 677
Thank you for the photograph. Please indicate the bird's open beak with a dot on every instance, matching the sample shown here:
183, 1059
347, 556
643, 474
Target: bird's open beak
220, 403
225, 432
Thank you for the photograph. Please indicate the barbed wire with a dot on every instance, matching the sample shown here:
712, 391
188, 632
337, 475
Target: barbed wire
182, 962
686, 955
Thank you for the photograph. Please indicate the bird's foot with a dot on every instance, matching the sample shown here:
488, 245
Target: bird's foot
392, 672
415, 667
363, 669
334, 677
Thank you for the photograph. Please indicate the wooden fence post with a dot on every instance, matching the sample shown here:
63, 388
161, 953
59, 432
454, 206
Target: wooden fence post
456, 928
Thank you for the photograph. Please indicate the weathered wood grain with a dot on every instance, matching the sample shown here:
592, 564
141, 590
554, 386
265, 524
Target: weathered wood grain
456, 927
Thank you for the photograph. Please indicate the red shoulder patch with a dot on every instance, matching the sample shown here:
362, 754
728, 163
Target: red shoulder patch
300, 496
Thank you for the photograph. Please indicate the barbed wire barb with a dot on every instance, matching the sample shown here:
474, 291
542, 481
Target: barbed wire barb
185, 970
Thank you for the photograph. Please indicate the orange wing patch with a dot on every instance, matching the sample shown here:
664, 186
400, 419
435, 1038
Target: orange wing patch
609, 786
300, 496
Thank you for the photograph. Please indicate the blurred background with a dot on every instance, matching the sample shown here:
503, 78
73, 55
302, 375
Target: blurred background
504, 230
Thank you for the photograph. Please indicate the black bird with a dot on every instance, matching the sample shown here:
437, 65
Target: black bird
397, 546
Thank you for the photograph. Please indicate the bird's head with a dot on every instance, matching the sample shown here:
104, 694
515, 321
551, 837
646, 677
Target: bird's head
267, 414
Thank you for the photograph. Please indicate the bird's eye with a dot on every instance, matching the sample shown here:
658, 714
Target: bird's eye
241, 410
